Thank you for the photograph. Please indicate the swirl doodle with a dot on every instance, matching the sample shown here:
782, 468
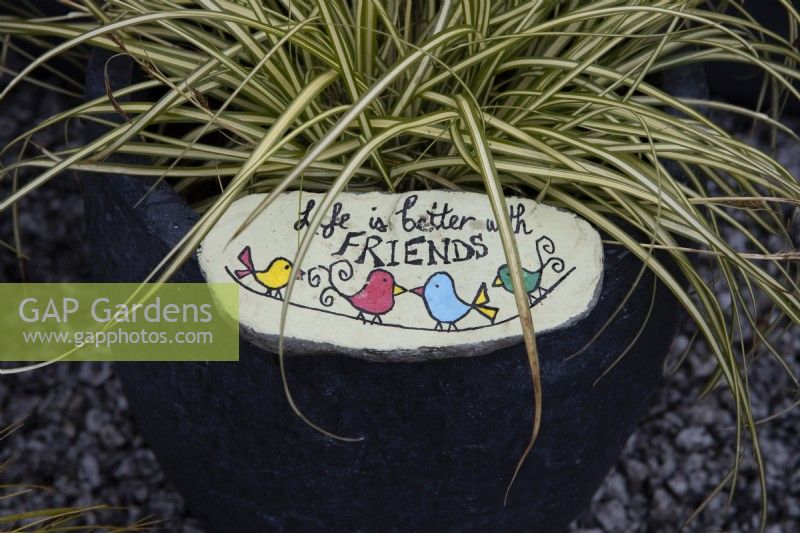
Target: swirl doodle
343, 270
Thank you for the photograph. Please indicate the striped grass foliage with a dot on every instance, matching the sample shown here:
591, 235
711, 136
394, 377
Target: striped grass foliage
546, 99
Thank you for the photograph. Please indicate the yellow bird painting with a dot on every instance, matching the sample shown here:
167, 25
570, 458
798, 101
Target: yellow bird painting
273, 278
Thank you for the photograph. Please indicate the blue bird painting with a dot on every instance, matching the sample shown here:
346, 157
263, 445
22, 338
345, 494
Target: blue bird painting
446, 307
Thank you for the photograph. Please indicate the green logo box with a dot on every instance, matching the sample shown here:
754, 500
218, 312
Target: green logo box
119, 322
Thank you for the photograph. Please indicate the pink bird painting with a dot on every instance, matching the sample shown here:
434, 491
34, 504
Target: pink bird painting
376, 297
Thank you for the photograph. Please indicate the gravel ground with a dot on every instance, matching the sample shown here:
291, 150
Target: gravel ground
79, 439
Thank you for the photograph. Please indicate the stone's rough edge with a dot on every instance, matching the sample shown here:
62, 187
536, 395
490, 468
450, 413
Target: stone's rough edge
600, 276
295, 346
593, 302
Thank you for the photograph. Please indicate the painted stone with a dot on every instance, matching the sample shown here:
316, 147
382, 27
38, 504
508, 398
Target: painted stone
406, 276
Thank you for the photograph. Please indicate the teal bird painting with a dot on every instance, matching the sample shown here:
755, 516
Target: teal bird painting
532, 280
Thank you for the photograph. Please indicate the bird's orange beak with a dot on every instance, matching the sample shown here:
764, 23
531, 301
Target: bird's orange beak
419, 291
300, 274
497, 282
398, 290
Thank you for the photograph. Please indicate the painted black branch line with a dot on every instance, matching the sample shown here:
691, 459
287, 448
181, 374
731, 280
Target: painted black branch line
389, 324
545, 291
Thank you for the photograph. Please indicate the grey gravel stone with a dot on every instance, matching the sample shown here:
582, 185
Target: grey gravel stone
678, 485
636, 471
694, 439
95, 374
616, 486
90, 471
611, 516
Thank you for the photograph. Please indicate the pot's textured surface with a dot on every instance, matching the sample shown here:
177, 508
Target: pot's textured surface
441, 437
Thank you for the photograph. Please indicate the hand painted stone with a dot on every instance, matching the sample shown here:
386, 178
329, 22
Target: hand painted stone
402, 276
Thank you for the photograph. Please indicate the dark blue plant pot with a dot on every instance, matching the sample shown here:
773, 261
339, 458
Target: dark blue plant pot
441, 438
